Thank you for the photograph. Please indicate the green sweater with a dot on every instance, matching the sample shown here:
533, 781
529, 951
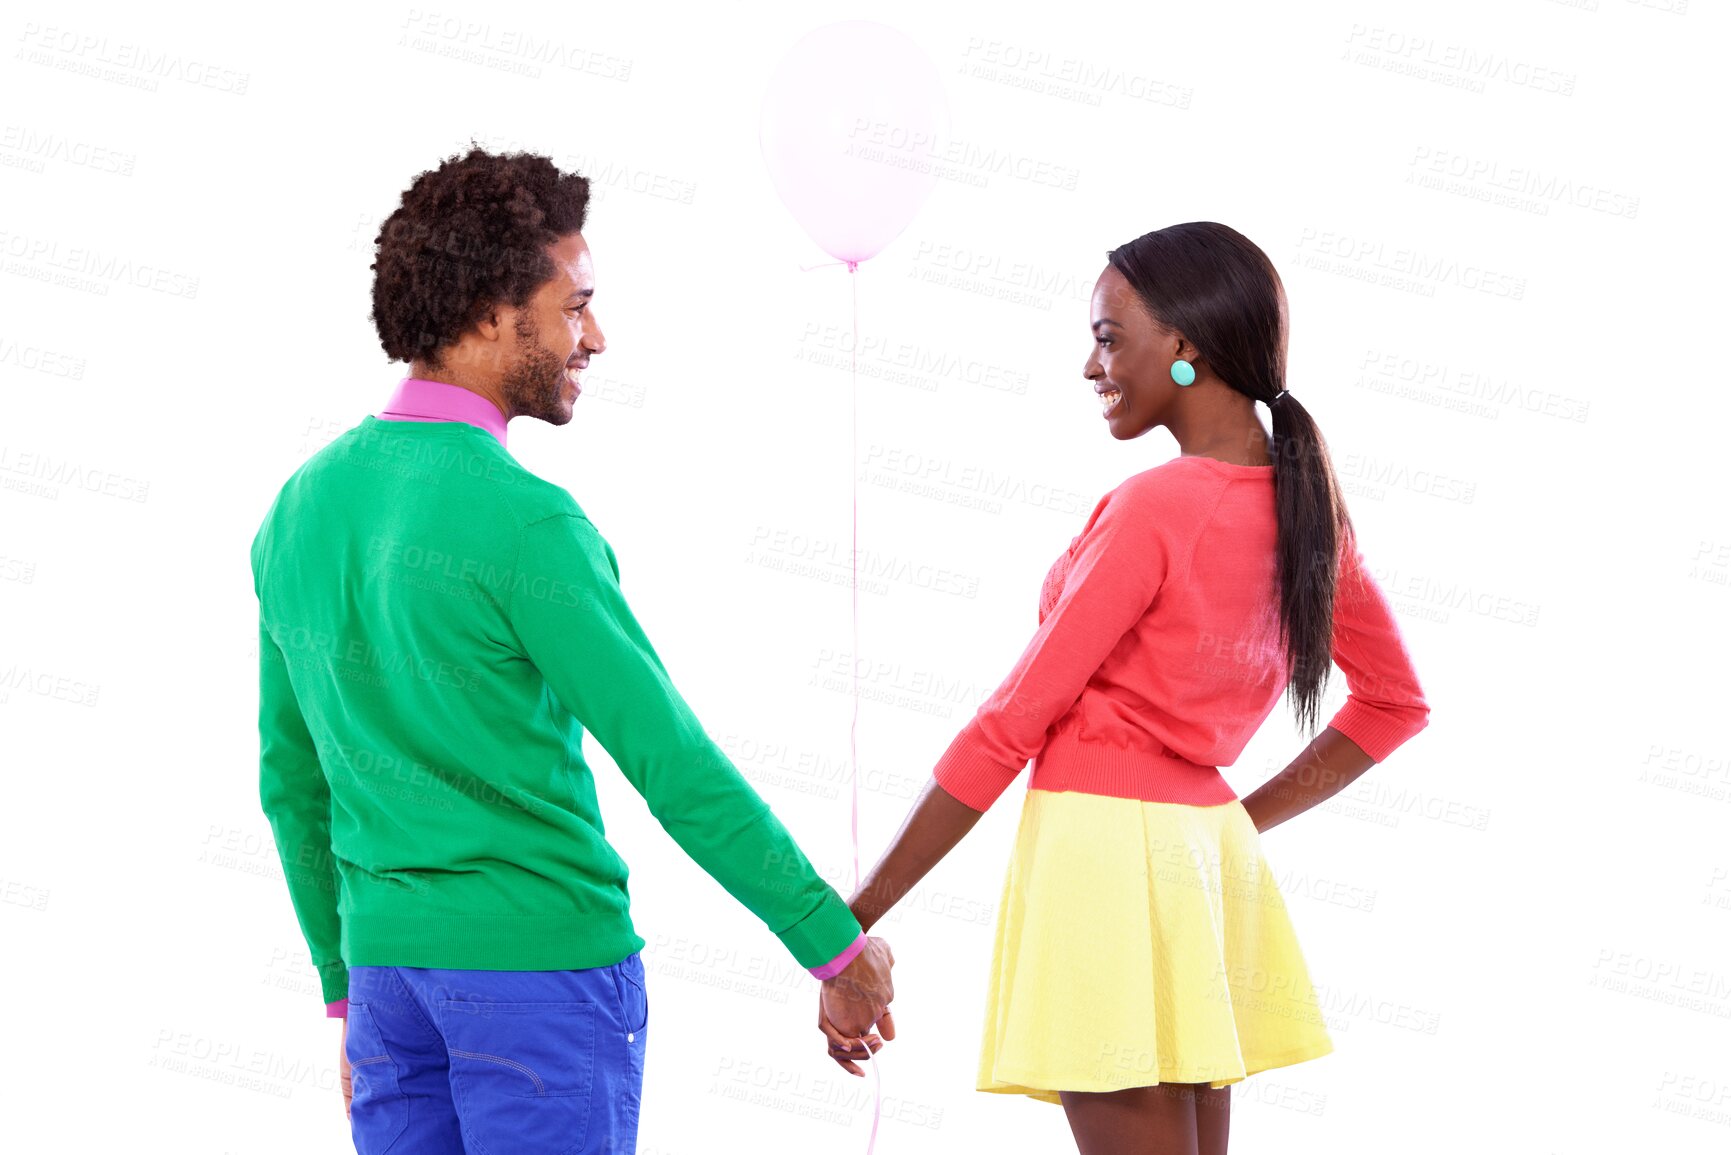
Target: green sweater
437, 628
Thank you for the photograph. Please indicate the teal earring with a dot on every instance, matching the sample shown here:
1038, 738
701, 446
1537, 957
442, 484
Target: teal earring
1183, 372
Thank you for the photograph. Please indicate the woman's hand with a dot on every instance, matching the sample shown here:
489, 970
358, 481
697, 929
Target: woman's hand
845, 1050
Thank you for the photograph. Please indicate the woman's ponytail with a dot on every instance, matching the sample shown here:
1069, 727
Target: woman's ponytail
1216, 287
1311, 520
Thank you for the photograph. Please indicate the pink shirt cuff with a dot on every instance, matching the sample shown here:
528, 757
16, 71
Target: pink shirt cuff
839, 963
337, 1010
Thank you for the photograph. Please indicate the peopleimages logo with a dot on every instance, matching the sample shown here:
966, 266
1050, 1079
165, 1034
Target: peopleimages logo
1401, 266
89, 269
135, 65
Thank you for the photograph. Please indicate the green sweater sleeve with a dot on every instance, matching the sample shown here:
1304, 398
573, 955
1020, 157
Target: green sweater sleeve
574, 624
297, 800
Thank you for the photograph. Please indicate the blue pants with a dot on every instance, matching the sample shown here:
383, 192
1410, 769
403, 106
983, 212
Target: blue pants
470, 1062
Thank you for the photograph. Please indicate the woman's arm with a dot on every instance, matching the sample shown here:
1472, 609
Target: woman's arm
1325, 767
1384, 705
931, 830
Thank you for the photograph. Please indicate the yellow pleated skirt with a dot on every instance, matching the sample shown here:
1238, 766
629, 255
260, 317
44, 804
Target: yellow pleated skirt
1141, 943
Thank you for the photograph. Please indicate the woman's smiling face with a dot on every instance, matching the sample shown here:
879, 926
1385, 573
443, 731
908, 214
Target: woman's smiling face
1131, 365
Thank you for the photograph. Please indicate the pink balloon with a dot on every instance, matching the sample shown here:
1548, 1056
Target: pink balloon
854, 122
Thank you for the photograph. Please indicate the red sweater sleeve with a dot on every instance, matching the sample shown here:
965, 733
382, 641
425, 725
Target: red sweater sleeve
1118, 564
1384, 704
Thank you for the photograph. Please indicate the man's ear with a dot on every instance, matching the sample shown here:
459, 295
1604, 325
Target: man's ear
491, 326
491, 336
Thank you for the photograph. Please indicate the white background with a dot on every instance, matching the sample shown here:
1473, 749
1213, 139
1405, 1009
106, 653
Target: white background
1506, 277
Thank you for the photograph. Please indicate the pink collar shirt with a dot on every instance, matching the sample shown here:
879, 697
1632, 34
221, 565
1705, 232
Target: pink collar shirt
420, 400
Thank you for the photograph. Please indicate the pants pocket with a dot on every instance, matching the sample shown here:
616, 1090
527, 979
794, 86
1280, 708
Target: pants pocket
633, 1001
378, 1111
521, 1073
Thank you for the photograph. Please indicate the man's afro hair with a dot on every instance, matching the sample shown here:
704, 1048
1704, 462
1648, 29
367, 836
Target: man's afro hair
468, 235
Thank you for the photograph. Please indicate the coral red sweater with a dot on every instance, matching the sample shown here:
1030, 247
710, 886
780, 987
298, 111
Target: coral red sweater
1158, 650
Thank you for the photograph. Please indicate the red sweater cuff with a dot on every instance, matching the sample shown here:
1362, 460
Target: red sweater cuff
1378, 731
969, 773
337, 1010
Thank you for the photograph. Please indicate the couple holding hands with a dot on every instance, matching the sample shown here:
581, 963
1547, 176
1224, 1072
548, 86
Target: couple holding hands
438, 627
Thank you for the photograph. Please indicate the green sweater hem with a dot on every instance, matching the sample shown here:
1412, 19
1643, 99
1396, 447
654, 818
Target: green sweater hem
488, 942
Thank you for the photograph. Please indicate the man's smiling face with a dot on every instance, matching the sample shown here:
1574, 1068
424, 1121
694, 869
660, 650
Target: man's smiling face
554, 335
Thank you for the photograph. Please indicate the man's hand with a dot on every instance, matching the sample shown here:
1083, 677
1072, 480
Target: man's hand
343, 1068
855, 1001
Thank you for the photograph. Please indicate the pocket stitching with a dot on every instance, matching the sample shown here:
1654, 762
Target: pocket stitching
643, 994
540, 1087
586, 1091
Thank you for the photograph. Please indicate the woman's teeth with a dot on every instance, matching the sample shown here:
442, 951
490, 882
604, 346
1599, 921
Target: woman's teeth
1109, 400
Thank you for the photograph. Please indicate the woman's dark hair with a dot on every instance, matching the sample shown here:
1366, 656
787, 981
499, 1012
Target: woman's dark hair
468, 235
1211, 284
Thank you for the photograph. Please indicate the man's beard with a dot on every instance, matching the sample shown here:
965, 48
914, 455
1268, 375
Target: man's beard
533, 387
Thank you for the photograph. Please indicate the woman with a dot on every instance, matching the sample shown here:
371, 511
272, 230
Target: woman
1144, 960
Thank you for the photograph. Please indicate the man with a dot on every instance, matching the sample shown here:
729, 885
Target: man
438, 627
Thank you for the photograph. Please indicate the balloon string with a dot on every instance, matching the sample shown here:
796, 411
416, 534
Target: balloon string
854, 584
853, 561
853, 662
853, 728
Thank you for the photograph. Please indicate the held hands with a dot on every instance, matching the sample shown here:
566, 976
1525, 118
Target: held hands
856, 1000
859, 997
